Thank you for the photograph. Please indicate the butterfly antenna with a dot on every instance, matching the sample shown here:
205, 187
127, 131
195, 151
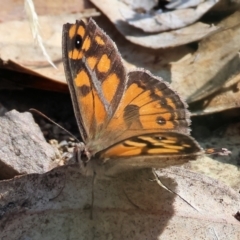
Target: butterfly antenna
218, 151
50, 120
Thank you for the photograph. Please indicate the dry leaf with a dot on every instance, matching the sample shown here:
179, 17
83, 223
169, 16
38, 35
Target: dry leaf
195, 32
25, 55
157, 21
223, 7
56, 205
228, 97
15, 76
223, 168
141, 5
182, 4
215, 61
14, 9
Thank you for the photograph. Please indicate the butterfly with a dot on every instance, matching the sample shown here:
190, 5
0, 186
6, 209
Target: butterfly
127, 119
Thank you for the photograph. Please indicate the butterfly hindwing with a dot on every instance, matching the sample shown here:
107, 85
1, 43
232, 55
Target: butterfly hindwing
156, 150
160, 144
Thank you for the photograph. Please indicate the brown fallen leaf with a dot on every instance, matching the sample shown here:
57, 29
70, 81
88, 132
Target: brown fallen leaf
228, 97
25, 55
15, 76
14, 9
216, 61
195, 32
57, 205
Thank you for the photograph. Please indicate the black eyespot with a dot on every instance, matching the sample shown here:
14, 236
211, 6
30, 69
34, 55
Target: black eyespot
161, 121
78, 42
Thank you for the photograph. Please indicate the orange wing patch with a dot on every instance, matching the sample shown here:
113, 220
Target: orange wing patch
72, 31
86, 44
171, 143
104, 64
92, 62
99, 40
85, 98
75, 54
163, 144
122, 150
82, 79
88, 99
100, 111
81, 30
111, 82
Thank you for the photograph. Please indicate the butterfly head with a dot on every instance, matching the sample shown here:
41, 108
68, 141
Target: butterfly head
82, 157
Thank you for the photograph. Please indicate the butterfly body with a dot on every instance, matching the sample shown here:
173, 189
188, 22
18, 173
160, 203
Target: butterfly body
126, 119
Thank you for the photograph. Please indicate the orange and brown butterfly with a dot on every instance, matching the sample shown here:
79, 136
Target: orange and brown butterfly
126, 119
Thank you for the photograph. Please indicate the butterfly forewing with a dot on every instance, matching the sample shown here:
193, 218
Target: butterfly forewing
95, 75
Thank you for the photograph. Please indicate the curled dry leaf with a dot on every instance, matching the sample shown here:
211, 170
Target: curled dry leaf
157, 21
131, 205
194, 32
